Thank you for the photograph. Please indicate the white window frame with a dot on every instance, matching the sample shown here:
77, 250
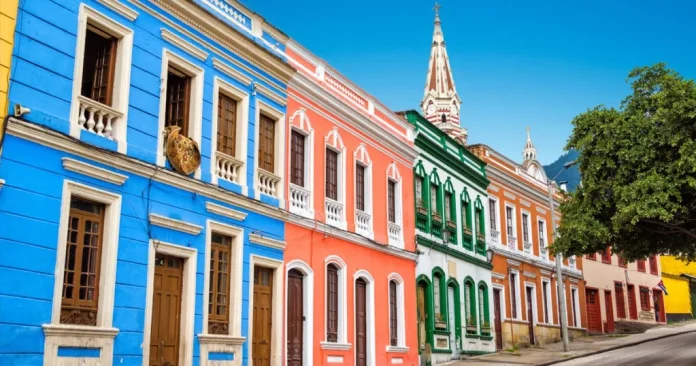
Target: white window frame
529, 231
546, 237
395, 177
277, 310
535, 315
307, 307
299, 122
514, 225
338, 147
369, 318
497, 220
503, 315
401, 346
102, 334
342, 339
576, 306
242, 133
518, 298
279, 157
546, 284
122, 73
170, 58
362, 157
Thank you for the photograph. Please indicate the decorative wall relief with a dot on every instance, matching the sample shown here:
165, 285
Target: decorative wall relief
182, 152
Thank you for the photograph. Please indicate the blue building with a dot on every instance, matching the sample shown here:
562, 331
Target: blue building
109, 254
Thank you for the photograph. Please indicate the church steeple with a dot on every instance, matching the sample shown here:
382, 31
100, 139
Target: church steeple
529, 152
441, 103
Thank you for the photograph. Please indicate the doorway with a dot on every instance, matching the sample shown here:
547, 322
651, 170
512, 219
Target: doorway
422, 315
451, 298
594, 311
360, 322
530, 314
263, 321
692, 293
498, 319
609, 309
659, 306
295, 318
166, 311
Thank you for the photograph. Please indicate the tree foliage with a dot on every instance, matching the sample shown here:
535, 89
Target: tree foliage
638, 166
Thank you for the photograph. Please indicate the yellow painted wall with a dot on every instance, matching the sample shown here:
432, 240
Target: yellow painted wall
674, 266
8, 18
678, 301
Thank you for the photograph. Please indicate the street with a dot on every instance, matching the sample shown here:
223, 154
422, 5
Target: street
677, 350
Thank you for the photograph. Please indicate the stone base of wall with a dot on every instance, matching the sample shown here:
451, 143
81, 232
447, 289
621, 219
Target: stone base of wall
679, 317
632, 327
544, 334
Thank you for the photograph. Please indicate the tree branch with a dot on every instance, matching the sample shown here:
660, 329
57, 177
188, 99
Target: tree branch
671, 227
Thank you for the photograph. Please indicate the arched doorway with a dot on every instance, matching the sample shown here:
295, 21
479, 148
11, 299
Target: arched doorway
424, 311
295, 318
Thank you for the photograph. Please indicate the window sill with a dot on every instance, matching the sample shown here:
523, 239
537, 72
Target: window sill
66, 330
336, 346
397, 349
221, 339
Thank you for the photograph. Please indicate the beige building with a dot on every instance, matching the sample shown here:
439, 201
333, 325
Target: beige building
622, 295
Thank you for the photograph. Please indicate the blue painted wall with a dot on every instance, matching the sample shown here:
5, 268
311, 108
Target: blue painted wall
41, 79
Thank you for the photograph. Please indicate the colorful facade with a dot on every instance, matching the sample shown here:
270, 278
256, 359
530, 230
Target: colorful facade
620, 293
350, 261
525, 299
8, 18
132, 262
679, 278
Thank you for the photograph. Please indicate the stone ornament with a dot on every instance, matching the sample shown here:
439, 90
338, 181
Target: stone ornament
182, 152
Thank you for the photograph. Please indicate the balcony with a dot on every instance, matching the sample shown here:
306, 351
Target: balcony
268, 183
394, 235
300, 202
571, 262
363, 223
543, 252
97, 118
228, 167
512, 243
334, 213
528, 247
495, 236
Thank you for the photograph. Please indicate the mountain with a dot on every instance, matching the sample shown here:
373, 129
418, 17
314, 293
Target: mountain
571, 175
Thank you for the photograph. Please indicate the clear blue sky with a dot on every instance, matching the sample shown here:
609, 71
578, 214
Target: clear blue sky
515, 63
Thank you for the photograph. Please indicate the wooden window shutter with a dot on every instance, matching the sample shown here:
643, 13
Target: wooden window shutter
219, 292
332, 303
391, 201
297, 159
393, 315
266, 143
227, 125
98, 65
332, 174
360, 187
178, 100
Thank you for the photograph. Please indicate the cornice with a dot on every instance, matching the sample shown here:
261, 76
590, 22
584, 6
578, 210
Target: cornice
225, 211
451, 252
185, 45
523, 188
529, 274
270, 94
497, 275
518, 258
174, 224
93, 171
231, 72
267, 242
442, 157
43, 136
221, 339
118, 7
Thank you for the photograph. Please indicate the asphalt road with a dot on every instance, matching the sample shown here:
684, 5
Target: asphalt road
674, 351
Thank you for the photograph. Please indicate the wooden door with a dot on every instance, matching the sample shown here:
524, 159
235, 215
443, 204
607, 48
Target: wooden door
421, 317
530, 314
659, 306
498, 325
166, 311
632, 308
295, 318
454, 346
361, 322
263, 296
609, 307
594, 311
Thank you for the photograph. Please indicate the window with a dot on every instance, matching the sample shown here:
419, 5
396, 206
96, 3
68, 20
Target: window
419, 191
470, 307
546, 292
178, 97
513, 294
393, 315
436, 295
448, 206
332, 174
606, 255
360, 187
573, 305
477, 223
433, 199
99, 65
483, 309
266, 143
227, 125
297, 158
219, 292
632, 309
391, 201
492, 215
641, 265
653, 265
620, 303
508, 215
82, 263
622, 262
332, 303
466, 217
525, 227
644, 298
542, 234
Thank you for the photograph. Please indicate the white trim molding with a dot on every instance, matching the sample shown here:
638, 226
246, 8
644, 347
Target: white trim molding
276, 308
231, 72
188, 298
267, 242
342, 311
96, 172
270, 94
174, 39
2, 183
174, 224
370, 316
307, 308
301, 198
118, 7
225, 211
275, 189
400, 316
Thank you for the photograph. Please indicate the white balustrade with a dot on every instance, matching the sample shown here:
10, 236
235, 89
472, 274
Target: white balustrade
512, 243
228, 167
495, 236
97, 118
334, 213
363, 223
543, 252
527, 247
268, 183
571, 262
300, 200
394, 234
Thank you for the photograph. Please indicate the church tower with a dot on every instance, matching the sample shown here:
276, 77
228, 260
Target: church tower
441, 103
529, 152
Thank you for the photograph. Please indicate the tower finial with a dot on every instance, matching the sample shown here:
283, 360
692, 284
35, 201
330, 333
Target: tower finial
529, 152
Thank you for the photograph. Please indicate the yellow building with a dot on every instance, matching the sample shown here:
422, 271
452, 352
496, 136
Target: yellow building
680, 279
8, 18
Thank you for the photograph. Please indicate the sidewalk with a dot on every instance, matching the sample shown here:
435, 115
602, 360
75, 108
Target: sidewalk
580, 347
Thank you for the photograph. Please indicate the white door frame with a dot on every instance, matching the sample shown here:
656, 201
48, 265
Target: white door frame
307, 308
276, 308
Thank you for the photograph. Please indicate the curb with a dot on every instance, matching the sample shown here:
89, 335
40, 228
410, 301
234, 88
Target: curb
629, 344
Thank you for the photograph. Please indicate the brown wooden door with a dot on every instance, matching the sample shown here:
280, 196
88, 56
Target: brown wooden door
594, 312
609, 308
263, 295
632, 309
530, 314
361, 322
295, 318
421, 317
659, 306
166, 311
498, 325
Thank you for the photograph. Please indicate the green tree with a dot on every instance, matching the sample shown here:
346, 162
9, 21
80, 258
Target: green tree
638, 166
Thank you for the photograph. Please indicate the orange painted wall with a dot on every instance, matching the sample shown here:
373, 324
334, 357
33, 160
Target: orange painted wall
313, 248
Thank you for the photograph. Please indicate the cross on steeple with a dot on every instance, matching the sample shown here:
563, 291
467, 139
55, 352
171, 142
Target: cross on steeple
437, 7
